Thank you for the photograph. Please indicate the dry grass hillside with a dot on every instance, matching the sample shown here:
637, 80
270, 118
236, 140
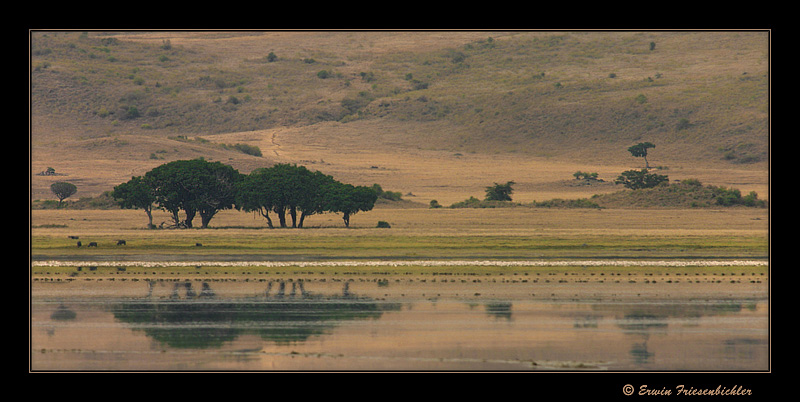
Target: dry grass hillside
434, 115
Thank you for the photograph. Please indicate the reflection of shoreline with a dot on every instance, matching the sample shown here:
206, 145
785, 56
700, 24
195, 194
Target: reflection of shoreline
623, 318
501, 334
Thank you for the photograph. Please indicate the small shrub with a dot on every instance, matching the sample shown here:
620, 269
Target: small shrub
639, 179
728, 197
561, 203
387, 195
585, 175
248, 149
384, 225
132, 112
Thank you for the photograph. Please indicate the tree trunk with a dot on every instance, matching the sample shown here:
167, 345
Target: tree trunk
346, 218
265, 213
149, 218
281, 217
205, 218
293, 213
190, 213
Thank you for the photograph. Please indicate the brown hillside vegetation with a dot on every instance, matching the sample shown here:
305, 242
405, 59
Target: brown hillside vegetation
433, 115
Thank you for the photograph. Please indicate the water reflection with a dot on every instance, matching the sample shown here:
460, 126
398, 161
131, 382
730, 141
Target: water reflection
192, 319
499, 310
275, 323
63, 312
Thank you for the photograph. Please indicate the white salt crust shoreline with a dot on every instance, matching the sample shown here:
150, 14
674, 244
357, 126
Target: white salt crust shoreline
428, 263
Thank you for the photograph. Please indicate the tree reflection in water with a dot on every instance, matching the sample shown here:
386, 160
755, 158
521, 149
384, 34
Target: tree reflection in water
191, 319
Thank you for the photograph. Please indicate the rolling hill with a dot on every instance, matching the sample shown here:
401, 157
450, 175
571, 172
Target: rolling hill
434, 114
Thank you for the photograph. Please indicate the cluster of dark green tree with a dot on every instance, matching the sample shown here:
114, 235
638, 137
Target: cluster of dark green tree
205, 188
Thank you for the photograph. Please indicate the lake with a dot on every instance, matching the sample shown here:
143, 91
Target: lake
390, 318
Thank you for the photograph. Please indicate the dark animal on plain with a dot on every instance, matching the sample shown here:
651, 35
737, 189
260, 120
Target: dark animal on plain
79, 244
121, 269
73, 237
92, 244
121, 242
198, 245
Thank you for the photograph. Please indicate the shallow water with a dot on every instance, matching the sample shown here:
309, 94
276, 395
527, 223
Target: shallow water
397, 322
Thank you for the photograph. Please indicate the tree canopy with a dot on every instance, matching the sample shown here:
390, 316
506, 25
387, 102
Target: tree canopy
63, 190
205, 188
291, 189
349, 199
136, 193
193, 186
637, 179
499, 192
640, 151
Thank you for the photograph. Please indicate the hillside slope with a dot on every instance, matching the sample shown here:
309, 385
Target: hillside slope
105, 106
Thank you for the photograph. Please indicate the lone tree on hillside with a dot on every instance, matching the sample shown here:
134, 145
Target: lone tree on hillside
63, 190
640, 151
137, 194
499, 192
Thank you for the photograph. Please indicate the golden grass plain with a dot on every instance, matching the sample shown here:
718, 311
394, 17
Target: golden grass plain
420, 159
424, 158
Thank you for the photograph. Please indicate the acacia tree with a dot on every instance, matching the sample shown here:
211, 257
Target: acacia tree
63, 190
640, 151
137, 194
215, 190
311, 198
169, 194
194, 186
499, 192
349, 199
285, 188
291, 190
252, 194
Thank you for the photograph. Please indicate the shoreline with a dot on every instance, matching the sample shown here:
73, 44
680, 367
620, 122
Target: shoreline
400, 263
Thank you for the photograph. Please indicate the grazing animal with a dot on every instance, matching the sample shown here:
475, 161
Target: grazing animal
79, 243
73, 237
92, 244
198, 245
121, 242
